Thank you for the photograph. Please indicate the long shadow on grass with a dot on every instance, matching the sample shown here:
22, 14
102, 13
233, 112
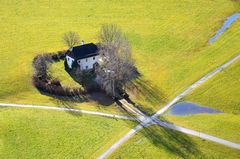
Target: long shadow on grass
68, 100
71, 102
172, 141
145, 90
68, 104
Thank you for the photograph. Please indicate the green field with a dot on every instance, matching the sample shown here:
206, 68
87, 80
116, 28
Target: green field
169, 41
57, 71
222, 92
156, 142
178, 69
34, 133
220, 125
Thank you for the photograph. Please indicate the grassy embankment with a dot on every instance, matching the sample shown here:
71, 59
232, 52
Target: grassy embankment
169, 42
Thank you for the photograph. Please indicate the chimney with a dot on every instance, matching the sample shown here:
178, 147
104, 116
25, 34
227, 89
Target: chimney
82, 42
70, 49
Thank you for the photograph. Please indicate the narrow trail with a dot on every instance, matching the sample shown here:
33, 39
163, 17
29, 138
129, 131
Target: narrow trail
153, 119
67, 109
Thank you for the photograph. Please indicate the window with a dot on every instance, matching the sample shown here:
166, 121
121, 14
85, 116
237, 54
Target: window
79, 61
86, 67
94, 58
86, 59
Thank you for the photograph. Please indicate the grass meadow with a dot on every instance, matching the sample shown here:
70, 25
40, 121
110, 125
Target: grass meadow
169, 42
57, 71
34, 133
157, 142
223, 126
222, 93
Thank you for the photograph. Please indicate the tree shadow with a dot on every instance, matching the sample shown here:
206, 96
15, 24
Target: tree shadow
67, 104
71, 102
101, 98
92, 91
170, 140
175, 142
130, 114
75, 98
87, 80
4, 107
148, 92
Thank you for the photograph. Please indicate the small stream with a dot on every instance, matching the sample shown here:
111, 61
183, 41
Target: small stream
186, 108
226, 24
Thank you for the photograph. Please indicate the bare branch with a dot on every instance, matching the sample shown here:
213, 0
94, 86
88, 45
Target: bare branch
71, 39
116, 66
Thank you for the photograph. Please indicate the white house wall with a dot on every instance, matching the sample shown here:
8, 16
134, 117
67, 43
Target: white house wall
69, 61
87, 63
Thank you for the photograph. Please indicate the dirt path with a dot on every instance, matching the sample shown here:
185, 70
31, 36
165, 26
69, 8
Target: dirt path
67, 109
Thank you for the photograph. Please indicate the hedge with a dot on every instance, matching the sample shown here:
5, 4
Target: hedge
43, 82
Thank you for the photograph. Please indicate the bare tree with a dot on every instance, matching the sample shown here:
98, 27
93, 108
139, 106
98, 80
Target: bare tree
116, 66
71, 39
110, 33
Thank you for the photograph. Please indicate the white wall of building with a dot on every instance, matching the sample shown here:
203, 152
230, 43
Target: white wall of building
87, 63
69, 61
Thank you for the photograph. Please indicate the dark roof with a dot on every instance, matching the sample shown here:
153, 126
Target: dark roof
83, 51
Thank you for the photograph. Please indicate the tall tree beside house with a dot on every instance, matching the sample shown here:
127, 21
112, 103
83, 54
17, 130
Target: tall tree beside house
110, 34
116, 66
71, 39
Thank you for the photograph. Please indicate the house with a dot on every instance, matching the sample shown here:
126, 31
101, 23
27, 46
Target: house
85, 55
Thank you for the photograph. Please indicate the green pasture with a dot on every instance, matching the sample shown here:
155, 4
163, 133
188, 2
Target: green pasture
34, 133
57, 71
224, 126
222, 92
169, 42
157, 142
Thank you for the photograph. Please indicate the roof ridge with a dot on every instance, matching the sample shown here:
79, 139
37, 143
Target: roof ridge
83, 51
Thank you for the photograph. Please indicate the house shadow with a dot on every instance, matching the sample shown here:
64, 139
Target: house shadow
70, 102
87, 80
